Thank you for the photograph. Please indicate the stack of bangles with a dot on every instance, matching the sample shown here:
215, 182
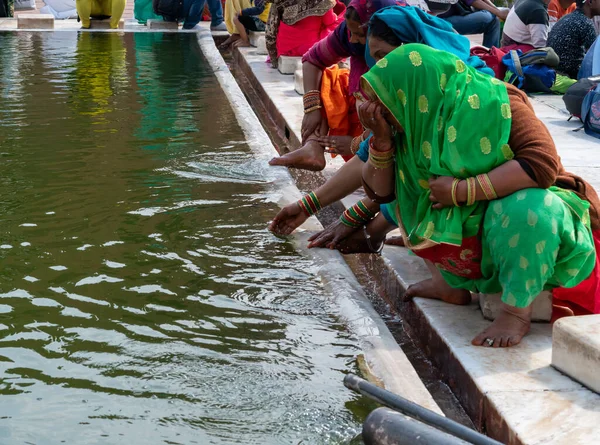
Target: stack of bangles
312, 101
380, 159
484, 183
310, 204
356, 216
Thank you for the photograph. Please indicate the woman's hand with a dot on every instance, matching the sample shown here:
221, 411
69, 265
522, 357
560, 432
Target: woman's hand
311, 124
331, 236
441, 191
371, 115
339, 145
288, 219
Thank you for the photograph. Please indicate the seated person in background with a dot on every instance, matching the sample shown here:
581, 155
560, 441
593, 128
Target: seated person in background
527, 24
251, 19
100, 8
573, 36
485, 19
294, 26
242, 15
557, 9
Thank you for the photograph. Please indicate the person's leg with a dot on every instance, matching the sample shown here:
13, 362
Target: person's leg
531, 241
216, 15
311, 156
436, 288
193, 12
241, 30
84, 10
480, 22
116, 12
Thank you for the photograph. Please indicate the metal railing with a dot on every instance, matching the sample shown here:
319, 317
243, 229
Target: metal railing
408, 423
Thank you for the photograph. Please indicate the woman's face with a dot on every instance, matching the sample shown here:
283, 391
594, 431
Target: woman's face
379, 48
357, 33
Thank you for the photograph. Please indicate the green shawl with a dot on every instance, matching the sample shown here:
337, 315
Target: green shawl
456, 123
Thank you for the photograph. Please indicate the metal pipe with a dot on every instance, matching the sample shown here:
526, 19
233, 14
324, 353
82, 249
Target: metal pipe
385, 426
415, 411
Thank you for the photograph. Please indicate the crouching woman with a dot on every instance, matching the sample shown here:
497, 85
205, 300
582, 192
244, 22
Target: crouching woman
480, 190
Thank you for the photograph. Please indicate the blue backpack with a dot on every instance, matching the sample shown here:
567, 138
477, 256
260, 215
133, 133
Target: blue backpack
590, 109
533, 71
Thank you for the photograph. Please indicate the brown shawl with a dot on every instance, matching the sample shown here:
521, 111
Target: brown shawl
531, 142
291, 12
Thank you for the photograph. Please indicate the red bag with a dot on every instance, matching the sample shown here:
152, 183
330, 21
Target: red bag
492, 58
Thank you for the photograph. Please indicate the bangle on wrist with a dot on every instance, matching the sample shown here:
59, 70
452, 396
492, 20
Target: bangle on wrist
455, 183
471, 191
487, 187
310, 204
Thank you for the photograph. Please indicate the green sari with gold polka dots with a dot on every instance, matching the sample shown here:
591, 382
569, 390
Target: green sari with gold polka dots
457, 123
449, 112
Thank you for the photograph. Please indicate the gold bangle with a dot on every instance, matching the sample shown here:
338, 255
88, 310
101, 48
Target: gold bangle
455, 183
310, 110
381, 163
471, 191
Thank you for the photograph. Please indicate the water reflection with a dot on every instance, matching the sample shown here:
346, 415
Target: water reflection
141, 298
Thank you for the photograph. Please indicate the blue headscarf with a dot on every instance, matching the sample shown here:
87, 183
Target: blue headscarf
413, 25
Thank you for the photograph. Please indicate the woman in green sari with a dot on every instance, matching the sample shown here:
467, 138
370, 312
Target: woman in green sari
483, 220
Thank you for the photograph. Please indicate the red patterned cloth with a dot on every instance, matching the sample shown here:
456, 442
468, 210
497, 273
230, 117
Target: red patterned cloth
583, 299
462, 261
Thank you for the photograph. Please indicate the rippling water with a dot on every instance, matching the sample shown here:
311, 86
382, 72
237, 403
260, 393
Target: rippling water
142, 299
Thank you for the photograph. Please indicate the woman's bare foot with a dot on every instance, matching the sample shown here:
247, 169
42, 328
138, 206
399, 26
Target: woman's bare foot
241, 44
395, 241
508, 329
230, 41
437, 289
309, 157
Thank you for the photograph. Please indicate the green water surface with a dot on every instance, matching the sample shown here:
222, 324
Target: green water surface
142, 300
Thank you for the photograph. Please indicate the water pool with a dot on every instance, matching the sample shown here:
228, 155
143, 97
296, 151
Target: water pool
142, 299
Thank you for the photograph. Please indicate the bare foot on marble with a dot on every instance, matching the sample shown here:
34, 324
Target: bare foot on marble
508, 329
438, 289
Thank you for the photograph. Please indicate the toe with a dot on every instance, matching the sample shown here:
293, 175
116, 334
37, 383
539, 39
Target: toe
480, 340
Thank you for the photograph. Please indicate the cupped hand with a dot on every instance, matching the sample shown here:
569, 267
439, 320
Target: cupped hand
331, 236
288, 219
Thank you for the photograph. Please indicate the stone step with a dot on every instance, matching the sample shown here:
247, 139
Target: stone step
104, 24
255, 38
542, 306
289, 65
299, 82
576, 349
261, 46
162, 25
35, 21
